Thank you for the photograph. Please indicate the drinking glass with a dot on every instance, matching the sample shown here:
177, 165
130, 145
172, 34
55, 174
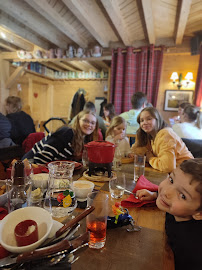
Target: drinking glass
96, 222
60, 199
139, 166
17, 194
85, 160
117, 186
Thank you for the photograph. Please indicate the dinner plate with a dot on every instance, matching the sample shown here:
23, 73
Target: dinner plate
77, 164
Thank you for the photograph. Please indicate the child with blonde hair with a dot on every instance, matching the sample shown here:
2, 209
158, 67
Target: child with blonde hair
116, 133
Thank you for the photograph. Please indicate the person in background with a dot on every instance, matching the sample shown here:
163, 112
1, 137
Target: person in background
21, 123
180, 196
91, 107
66, 143
116, 133
177, 119
109, 113
163, 148
139, 102
5, 132
191, 123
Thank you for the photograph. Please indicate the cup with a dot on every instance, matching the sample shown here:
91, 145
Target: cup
117, 186
96, 222
17, 194
139, 166
60, 199
81, 189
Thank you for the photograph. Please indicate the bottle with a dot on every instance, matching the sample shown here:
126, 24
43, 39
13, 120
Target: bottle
17, 187
117, 158
18, 173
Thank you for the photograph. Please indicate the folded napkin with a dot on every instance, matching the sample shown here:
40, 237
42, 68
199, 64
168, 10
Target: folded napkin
142, 183
3, 212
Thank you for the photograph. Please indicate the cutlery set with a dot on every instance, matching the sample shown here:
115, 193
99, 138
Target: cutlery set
55, 252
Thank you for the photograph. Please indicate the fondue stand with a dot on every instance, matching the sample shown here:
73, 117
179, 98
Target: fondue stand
100, 155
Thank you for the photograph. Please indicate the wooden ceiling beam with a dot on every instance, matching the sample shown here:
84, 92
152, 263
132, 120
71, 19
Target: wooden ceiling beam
7, 46
114, 13
23, 13
90, 15
183, 17
15, 75
11, 38
90, 66
12, 25
149, 20
55, 18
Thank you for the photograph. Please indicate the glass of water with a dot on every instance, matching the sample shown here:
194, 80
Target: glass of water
139, 166
117, 186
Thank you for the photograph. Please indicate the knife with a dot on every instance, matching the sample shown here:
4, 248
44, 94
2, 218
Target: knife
68, 227
64, 245
72, 222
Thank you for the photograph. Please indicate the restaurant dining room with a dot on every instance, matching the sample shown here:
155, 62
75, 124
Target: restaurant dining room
101, 134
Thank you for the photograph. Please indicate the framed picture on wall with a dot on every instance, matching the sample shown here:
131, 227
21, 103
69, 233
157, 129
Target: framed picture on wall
174, 97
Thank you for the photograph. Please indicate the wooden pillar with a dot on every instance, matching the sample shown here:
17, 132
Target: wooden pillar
4, 93
30, 94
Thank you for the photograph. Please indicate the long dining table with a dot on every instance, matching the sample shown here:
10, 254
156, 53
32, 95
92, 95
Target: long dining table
146, 249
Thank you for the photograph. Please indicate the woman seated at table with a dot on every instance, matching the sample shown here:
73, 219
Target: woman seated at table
21, 123
66, 143
109, 113
191, 123
177, 119
163, 148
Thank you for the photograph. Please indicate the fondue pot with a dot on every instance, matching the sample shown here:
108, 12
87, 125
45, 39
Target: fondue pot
100, 151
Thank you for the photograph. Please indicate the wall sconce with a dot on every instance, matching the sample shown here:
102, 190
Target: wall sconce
175, 77
189, 77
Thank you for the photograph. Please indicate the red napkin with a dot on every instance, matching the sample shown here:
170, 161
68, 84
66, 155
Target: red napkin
3, 212
142, 183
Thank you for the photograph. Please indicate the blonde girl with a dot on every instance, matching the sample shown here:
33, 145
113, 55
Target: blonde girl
116, 134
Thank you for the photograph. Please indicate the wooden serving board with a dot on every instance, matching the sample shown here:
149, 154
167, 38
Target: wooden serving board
99, 178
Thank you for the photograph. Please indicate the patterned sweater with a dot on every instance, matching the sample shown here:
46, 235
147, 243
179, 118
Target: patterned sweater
168, 149
54, 147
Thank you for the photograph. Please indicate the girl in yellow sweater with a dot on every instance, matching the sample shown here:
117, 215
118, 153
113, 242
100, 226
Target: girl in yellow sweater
163, 148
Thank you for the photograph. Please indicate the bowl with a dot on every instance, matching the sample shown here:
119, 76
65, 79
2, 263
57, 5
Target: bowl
7, 227
81, 189
40, 180
3, 197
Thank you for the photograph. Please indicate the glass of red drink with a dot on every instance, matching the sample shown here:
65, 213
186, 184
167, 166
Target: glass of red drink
96, 222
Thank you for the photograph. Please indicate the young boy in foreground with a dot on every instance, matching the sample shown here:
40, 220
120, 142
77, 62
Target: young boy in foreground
180, 195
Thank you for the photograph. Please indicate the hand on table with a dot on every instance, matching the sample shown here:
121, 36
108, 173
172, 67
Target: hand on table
146, 195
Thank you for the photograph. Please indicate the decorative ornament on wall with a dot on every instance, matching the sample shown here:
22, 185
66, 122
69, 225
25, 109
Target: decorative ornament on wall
35, 95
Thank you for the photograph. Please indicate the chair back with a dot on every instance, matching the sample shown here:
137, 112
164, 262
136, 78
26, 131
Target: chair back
31, 139
194, 146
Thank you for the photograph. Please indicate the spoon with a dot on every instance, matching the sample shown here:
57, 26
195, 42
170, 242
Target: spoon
128, 191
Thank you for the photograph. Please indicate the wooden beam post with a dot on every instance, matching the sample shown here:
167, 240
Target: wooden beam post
16, 74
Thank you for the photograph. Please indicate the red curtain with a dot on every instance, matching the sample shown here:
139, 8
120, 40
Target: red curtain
198, 88
133, 72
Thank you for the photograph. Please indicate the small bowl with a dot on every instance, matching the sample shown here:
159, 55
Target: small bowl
40, 180
7, 227
81, 189
3, 197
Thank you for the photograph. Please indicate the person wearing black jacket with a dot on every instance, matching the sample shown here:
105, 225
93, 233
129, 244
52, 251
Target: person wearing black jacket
21, 123
5, 132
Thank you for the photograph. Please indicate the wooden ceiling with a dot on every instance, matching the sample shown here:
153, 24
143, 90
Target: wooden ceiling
45, 24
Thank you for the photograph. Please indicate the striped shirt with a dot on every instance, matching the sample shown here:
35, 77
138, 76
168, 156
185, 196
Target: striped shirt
54, 147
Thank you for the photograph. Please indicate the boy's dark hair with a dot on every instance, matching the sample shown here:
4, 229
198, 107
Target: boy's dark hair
194, 168
138, 99
89, 106
110, 107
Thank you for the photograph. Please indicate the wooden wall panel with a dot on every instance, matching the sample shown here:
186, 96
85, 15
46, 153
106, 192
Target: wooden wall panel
180, 64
